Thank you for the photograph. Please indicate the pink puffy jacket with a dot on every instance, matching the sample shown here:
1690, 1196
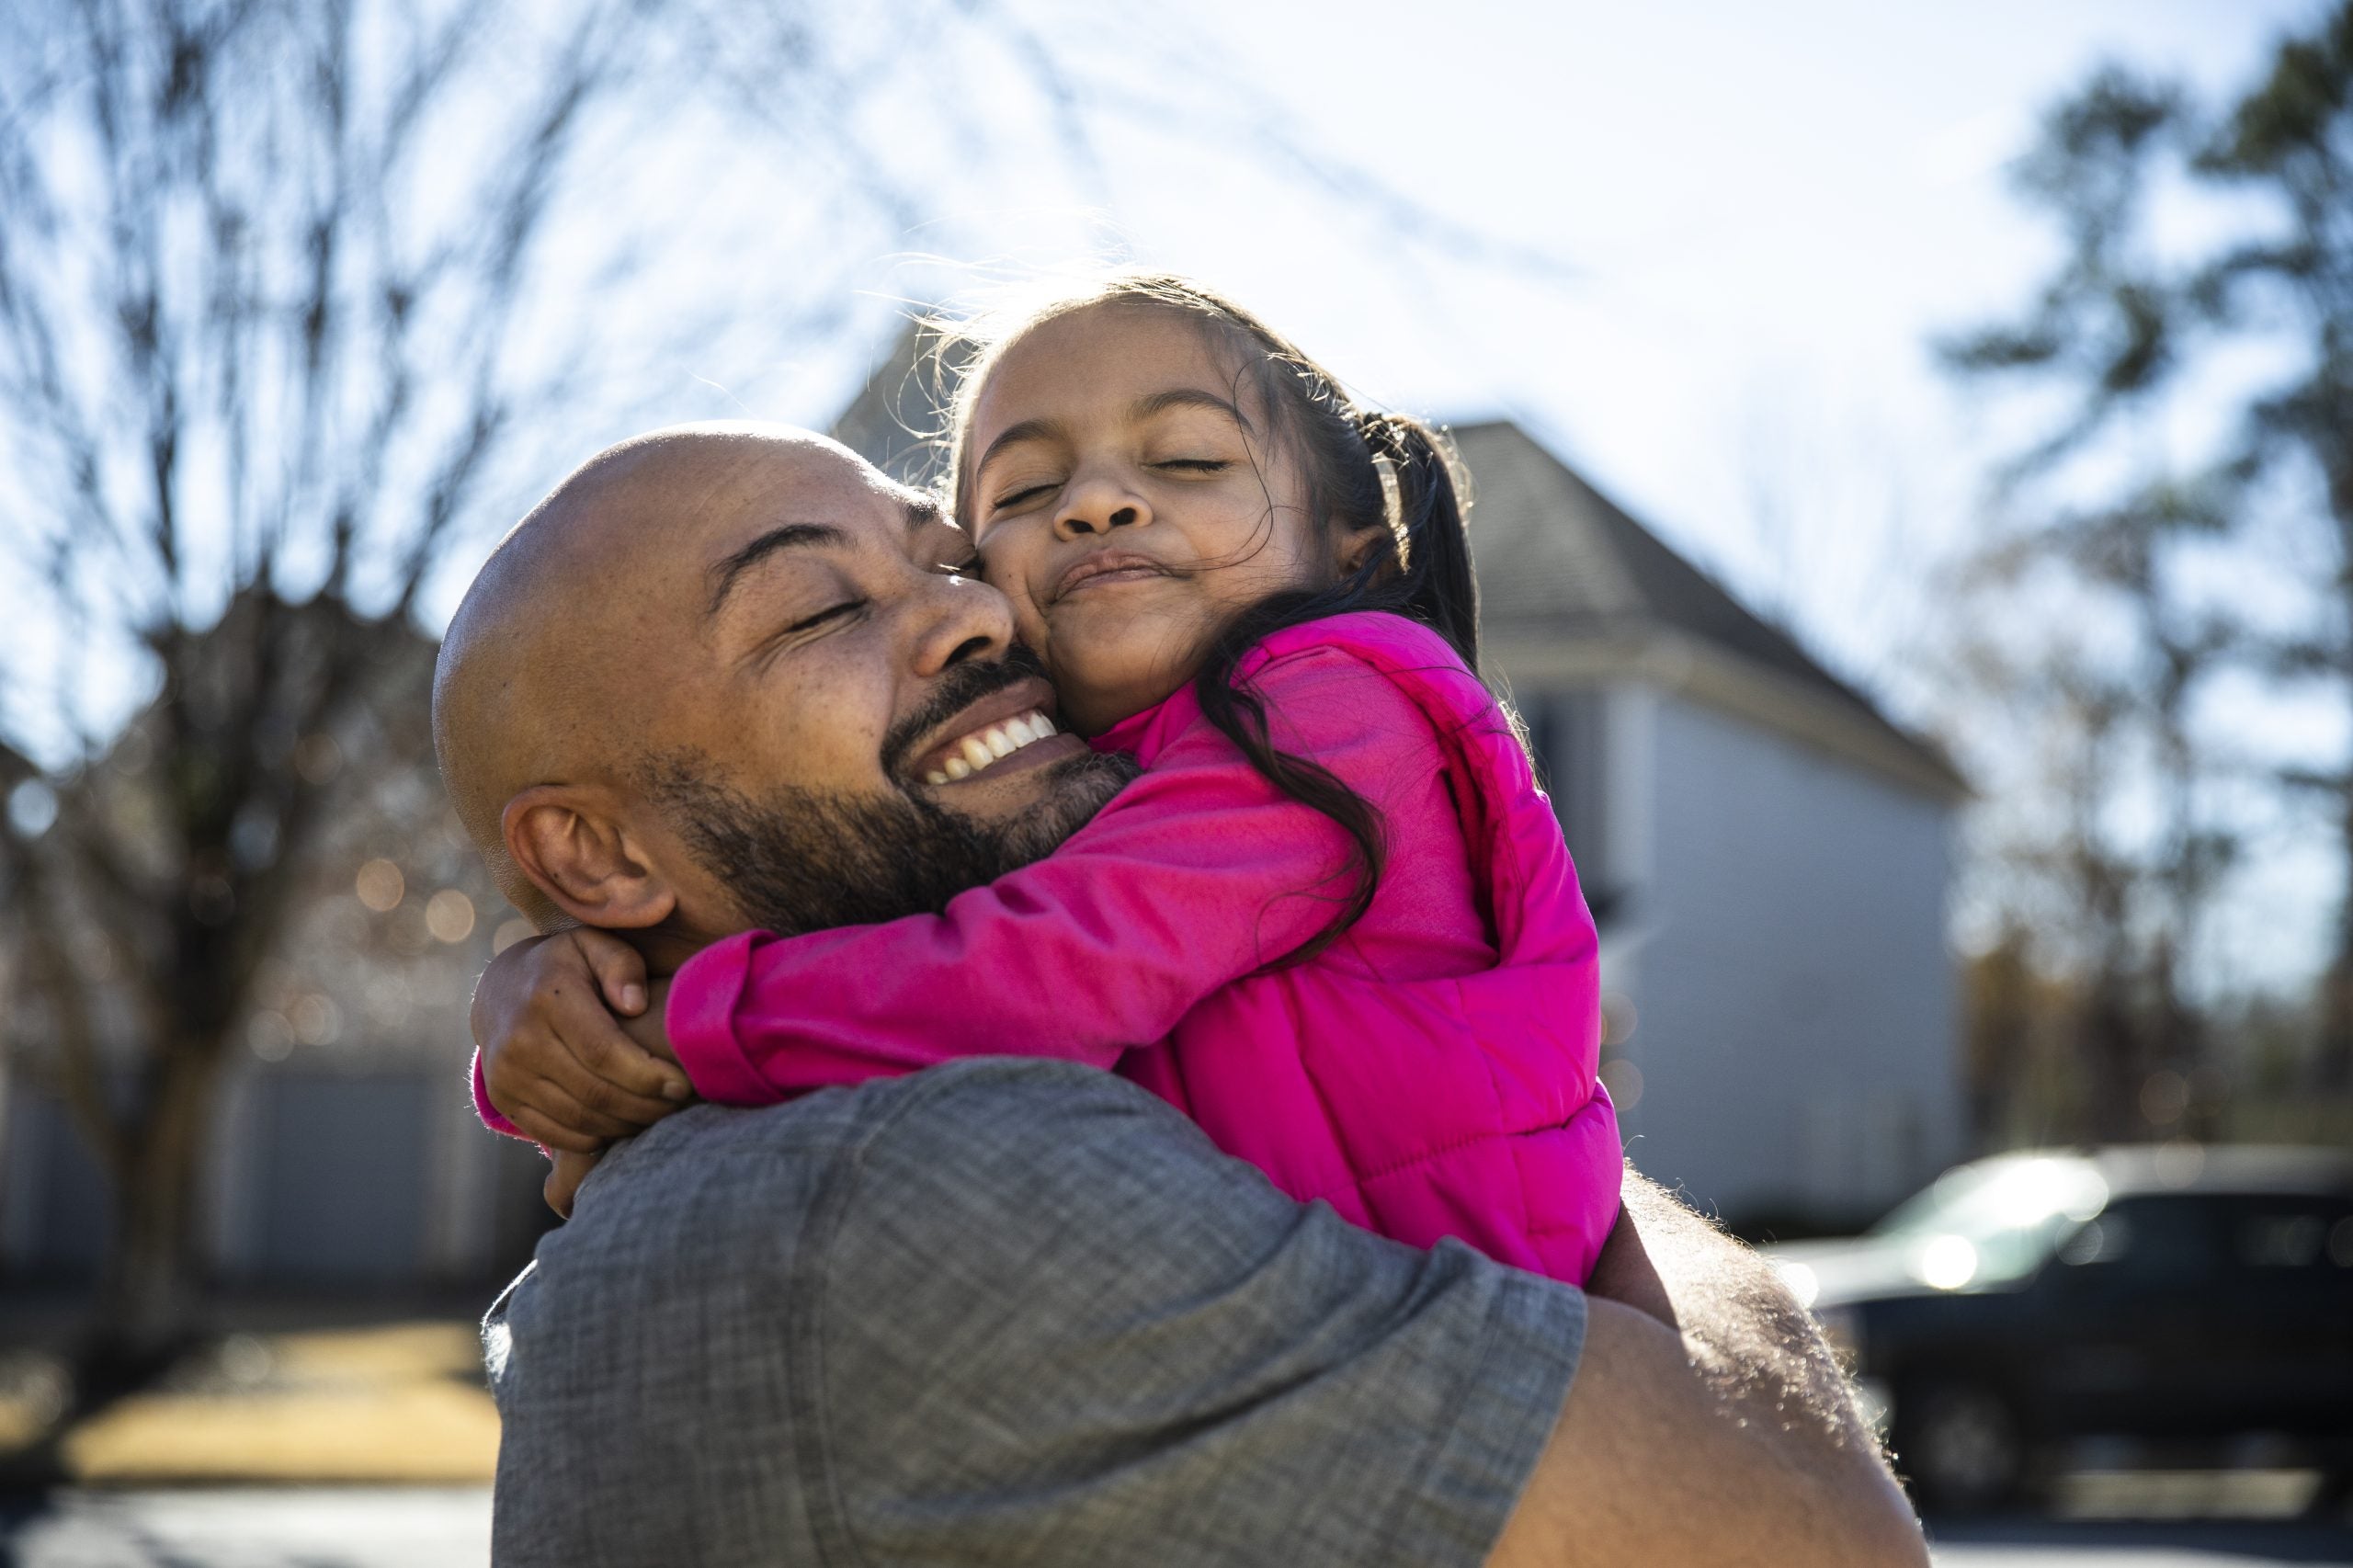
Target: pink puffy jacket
1429, 1074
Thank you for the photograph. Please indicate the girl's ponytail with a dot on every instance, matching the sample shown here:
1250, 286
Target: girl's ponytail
1438, 587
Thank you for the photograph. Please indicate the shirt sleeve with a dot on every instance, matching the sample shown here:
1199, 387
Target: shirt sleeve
1057, 1325
1199, 872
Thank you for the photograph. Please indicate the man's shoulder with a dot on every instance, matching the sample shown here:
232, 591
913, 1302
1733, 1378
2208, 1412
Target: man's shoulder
1076, 1332
975, 1112
1007, 1311
758, 1205
1016, 1093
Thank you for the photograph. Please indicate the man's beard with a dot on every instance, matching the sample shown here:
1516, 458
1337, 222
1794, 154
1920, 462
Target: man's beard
799, 859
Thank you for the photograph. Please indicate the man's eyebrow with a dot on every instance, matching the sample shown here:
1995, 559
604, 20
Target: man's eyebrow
725, 573
922, 512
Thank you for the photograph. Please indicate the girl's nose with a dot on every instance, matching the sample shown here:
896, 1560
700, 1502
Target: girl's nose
1097, 508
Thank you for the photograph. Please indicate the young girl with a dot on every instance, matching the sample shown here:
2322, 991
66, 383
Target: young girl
1332, 920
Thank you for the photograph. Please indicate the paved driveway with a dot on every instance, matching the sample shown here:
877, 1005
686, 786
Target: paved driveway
450, 1528
2034, 1543
254, 1527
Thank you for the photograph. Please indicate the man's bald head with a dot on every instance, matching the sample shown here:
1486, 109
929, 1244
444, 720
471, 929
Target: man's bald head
710, 683
557, 653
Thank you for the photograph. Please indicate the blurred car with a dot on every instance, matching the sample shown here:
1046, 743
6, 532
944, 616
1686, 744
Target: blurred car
2190, 1301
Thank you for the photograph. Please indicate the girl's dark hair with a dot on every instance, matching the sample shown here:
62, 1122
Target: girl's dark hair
1387, 483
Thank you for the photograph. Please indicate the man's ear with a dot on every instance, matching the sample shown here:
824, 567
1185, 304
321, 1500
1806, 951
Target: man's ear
569, 839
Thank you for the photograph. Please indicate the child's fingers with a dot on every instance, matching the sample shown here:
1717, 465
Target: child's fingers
545, 1131
601, 1067
590, 1087
606, 1050
595, 1062
620, 970
564, 1182
559, 1104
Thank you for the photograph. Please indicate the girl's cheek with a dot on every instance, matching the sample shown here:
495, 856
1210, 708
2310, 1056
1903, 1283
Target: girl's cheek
1027, 622
1029, 625
1000, 570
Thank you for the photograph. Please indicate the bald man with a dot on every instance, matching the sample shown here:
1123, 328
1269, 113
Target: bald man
683, 697
1006, 1311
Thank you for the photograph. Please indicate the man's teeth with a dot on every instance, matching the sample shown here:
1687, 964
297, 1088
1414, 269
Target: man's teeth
983, 747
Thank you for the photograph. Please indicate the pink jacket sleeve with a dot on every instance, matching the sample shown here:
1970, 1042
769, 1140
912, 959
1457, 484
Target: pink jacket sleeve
1198, 873
489, 1112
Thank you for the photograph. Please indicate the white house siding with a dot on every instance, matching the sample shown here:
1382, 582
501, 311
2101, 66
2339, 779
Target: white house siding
353, 1175
1784, 949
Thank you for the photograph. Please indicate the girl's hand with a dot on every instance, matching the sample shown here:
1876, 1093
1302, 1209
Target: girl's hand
555, 1060
564, 1182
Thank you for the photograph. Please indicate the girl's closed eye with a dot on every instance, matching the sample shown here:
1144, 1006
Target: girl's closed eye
1021, 497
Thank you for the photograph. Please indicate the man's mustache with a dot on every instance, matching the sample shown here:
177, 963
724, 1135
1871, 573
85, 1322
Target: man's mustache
959, 688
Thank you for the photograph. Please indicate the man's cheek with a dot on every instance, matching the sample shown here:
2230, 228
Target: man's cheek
826, 731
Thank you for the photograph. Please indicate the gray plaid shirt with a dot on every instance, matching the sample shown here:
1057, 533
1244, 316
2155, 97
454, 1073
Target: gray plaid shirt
1001, 1313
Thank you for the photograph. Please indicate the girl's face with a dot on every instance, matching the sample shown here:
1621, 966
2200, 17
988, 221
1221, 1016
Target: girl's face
1130, 496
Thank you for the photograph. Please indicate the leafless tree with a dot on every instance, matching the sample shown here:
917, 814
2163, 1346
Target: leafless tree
2099, 849
2123, 323
268, 272
256, 370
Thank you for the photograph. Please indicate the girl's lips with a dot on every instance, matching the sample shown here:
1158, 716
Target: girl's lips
1106, 567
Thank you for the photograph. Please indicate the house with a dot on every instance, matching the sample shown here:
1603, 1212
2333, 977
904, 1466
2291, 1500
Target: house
1765, 853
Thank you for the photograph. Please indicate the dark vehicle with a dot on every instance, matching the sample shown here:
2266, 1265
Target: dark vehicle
2181, 1298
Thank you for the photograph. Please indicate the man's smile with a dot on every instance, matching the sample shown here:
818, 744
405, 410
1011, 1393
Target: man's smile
1009, 731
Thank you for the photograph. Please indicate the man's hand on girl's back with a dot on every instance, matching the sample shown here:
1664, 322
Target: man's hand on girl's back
555, 1017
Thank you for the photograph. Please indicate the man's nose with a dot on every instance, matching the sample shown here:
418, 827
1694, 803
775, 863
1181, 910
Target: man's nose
957, 619
1097, 506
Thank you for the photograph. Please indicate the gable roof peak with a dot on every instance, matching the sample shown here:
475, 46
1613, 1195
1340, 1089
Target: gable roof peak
1558, 562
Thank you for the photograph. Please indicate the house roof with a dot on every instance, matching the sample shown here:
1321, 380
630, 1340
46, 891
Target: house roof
1574, 590
894, 420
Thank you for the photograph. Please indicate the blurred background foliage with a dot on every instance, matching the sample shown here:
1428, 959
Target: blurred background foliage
2134, 587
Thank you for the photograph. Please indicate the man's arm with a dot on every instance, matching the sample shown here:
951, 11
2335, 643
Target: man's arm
1063, 1328
1707, 1423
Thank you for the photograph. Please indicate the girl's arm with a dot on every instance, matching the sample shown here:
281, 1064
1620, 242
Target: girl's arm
1196, 874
